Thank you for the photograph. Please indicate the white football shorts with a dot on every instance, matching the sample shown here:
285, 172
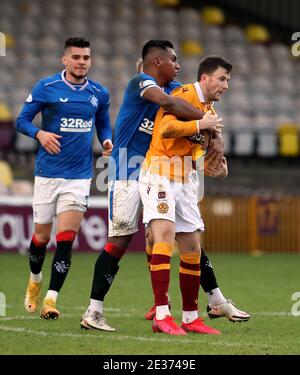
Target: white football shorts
124, 207
53, 196
166, 199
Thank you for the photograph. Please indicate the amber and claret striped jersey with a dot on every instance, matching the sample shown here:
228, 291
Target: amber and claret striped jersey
172, 157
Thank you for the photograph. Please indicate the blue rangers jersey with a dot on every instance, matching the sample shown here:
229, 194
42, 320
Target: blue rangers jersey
134, 128
73, 112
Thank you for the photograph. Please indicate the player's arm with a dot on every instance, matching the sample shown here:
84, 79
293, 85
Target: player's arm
171, 127
34, 104
103, 124
172, 104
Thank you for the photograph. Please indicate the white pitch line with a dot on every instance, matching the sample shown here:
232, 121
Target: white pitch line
131, 312
36, 316
272, 313
29, 317
113, 336
116, 313
135, 312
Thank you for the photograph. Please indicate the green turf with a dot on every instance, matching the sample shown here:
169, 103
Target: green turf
262, 285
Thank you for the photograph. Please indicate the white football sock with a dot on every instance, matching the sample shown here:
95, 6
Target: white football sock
162, 311
52, 294
96, 305
215, 297
36, 278
189, 316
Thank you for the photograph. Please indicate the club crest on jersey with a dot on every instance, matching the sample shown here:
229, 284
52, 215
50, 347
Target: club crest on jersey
94, 101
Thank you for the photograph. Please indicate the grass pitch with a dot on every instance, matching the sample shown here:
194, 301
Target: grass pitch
262, 285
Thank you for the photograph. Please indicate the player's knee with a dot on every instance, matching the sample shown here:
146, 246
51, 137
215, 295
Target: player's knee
165, 237
190, 250
195, 248
163, 234
42, 237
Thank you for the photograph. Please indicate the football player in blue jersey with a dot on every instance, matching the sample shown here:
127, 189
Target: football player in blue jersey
72, 108
145, 93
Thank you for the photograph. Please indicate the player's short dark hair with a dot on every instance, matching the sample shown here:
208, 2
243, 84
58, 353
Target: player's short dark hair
77, 42
211, 63
155, 43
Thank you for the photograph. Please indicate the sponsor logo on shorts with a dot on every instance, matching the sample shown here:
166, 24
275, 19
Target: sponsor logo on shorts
162, 194
162, 208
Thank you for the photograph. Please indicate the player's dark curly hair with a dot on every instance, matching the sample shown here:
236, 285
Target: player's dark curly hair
155, 43
211, 63
77, 42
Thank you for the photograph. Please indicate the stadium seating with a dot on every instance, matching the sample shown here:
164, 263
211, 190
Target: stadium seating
288, 140
213, 15
6, 177
257, 34
7, 129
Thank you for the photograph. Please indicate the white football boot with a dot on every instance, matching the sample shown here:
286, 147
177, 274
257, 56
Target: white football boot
95, 320
227, 310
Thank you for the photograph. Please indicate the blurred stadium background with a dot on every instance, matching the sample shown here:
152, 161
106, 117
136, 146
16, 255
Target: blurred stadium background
257, 208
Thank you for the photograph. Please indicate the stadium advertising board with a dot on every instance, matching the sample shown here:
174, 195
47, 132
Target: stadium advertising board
16, 227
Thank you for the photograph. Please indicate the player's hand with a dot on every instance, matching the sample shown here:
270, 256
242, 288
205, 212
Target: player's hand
214, 167
216, 147
211, 122
223, 168
108, 146
49, 141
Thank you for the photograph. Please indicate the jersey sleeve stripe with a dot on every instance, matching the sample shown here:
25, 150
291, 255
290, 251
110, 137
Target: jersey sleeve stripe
146, 88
